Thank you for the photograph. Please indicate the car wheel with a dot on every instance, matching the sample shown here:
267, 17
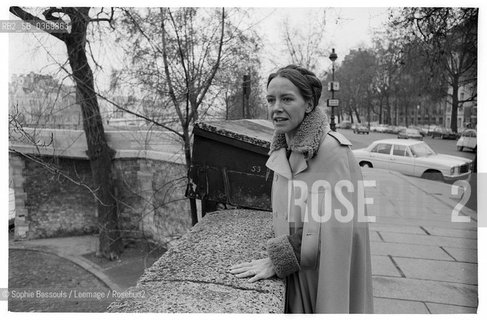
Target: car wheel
433, 175
459, 148
366, 164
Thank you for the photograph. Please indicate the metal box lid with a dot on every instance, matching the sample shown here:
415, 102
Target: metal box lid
252, 131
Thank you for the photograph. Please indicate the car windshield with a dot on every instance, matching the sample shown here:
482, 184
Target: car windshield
421, 150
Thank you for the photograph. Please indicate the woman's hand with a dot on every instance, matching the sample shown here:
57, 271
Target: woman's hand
257, 269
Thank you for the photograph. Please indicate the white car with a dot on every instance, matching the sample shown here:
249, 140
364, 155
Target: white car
414, 158
468, 139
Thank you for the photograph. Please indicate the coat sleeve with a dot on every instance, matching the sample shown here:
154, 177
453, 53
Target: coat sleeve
285, 252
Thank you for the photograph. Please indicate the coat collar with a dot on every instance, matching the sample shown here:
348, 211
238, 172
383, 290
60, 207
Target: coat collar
308, 136
279, 163
305, 145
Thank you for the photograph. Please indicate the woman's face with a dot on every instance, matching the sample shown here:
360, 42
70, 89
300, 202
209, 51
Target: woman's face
286, 106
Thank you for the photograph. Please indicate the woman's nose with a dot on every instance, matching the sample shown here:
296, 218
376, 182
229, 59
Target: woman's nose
276, 106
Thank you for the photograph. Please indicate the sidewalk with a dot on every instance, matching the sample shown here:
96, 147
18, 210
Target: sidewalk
422, 262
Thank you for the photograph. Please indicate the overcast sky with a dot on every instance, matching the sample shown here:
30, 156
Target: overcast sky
346, 28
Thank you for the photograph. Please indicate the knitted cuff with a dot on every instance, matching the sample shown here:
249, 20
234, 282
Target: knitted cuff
282, 256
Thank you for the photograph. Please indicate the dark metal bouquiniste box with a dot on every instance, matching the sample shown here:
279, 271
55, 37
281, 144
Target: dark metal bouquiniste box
228, 163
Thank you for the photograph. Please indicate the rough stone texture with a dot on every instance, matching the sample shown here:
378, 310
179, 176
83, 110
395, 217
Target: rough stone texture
16, 182
193, 275
255, 132
55, 205
151, 199
150, 193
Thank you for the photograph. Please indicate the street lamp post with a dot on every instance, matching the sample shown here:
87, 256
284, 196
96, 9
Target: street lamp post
333, 57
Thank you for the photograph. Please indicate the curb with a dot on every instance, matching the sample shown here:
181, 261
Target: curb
81, 262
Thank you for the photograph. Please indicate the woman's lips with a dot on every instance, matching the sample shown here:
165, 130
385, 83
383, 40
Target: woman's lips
279, 119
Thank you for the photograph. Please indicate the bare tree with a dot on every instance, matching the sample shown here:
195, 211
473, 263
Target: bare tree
305, 46
185, 58
99, 153
448, 38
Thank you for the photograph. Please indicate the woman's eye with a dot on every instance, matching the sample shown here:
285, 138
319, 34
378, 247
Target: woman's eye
270, 101
287, 99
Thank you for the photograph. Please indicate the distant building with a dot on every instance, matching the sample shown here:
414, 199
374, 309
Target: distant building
37, 100
467, 111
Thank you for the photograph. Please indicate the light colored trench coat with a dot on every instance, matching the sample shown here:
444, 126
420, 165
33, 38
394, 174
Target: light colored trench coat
333, 274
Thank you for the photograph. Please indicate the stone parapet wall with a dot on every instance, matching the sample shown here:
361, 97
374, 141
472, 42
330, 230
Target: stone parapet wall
192, 276
150, 195
151, 199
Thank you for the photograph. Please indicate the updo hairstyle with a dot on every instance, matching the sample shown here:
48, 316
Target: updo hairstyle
306, 81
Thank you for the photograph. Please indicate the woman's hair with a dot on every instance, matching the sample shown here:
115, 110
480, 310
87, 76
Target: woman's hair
306, 81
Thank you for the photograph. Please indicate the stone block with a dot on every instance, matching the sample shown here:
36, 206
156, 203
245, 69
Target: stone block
463, 255
427, 222
450, 271
449, 232
426, 291
409, 250
196, 297
21, 232
437, 308
374, 236
192, 276
429, 240
383, 266
396, 229
395, 306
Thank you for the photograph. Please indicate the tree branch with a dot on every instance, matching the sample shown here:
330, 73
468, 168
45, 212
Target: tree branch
215, 67
33, 20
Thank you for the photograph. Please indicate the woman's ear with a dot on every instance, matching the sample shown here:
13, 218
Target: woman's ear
309, 107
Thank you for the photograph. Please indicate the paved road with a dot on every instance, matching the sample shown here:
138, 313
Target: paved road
439, 145
37, 281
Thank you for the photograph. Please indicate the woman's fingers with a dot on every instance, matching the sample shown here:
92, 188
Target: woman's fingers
239, 270
256, 278
248, 273
241, 265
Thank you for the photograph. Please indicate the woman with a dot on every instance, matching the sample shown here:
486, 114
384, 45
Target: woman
321, 245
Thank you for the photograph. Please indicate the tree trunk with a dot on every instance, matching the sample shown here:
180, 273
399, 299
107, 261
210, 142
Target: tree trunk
99, 153
187, 156
454, 105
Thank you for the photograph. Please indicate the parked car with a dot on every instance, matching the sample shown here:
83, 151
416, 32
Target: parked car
345, 125
415, 158
443, 133
382, 128
373, 126
420, 129
409, 133
361, 128
468, 139
429, 129
391, 129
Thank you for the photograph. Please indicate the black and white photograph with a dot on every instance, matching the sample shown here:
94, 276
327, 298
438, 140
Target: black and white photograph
227, 159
